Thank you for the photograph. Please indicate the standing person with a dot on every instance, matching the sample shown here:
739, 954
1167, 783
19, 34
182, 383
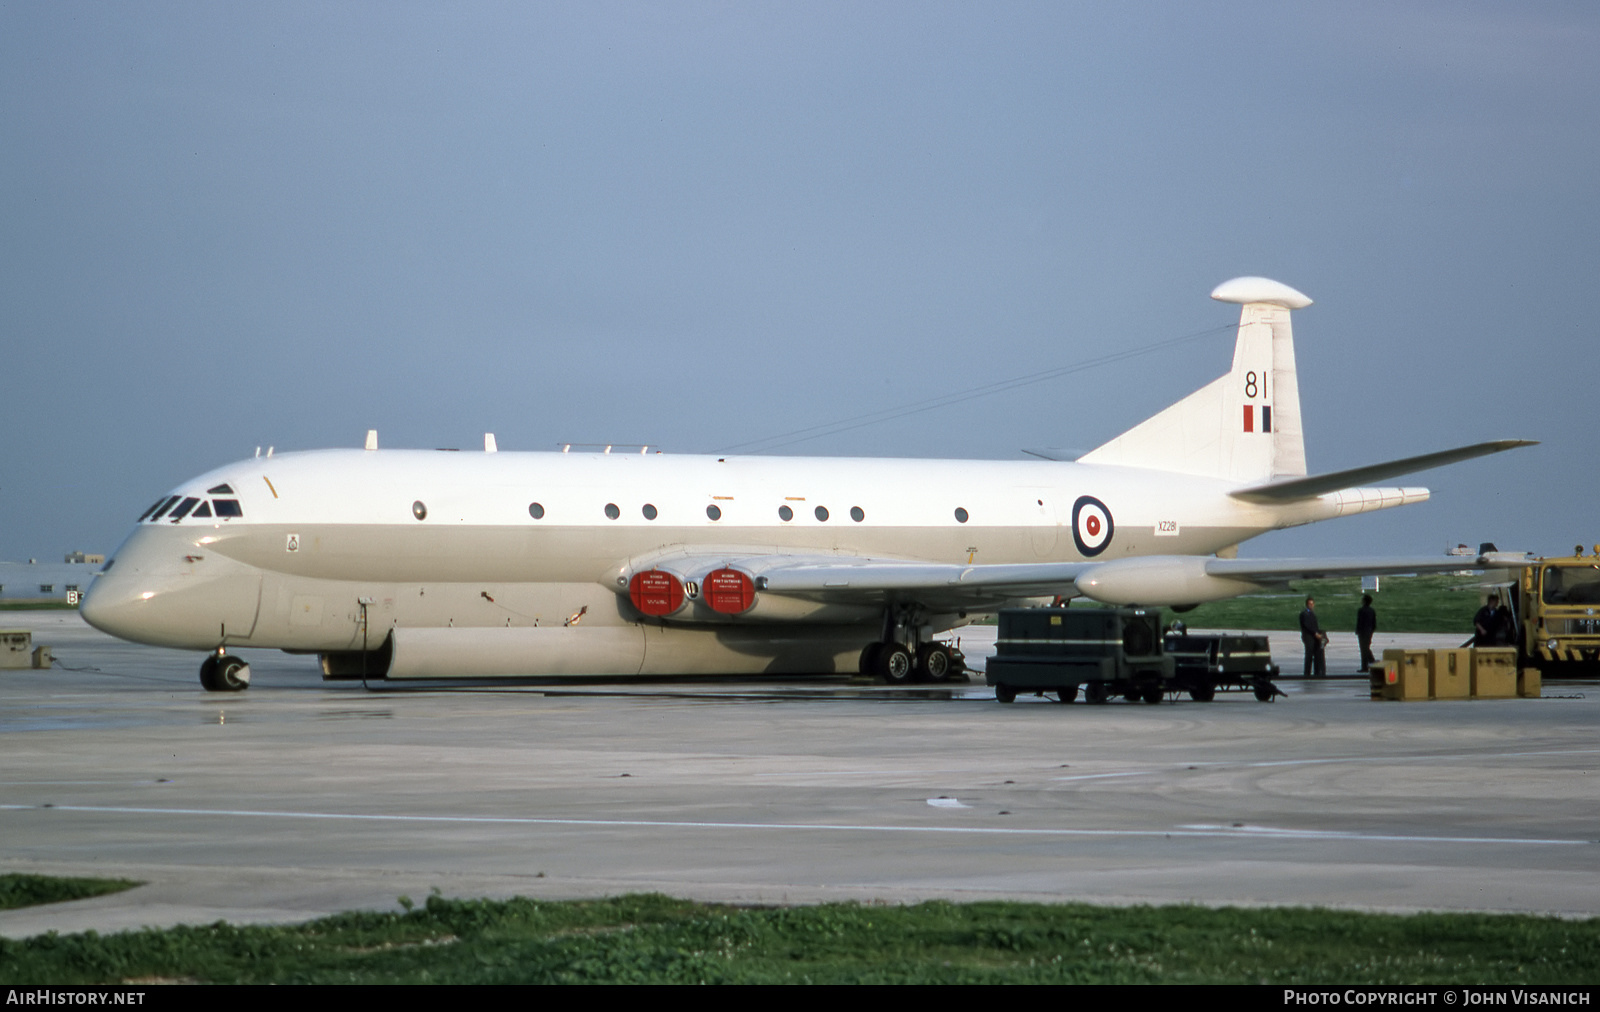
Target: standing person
1366, 625
1315, 639
1491, 625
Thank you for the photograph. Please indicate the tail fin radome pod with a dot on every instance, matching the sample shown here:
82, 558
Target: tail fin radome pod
1244, 426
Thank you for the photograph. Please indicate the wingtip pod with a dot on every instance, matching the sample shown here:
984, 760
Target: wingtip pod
1247, 290
1159, 581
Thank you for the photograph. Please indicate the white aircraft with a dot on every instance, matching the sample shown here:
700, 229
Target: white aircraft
429, 564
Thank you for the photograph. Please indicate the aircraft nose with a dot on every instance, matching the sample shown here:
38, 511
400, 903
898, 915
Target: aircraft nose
164, 589
112, 607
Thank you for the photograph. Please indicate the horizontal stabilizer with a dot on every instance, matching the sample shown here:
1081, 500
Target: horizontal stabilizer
1319, 484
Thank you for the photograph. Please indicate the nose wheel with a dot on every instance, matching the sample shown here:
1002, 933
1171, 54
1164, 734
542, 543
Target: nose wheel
224, 673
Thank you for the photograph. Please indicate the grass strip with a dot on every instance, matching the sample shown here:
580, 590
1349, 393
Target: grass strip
657, 939
1405, 604
33, 890
1418, 604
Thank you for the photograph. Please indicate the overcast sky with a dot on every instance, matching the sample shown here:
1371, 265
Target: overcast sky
693, 224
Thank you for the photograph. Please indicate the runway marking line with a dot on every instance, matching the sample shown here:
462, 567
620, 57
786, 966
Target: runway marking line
1214, 764
1210, 764
1240, 832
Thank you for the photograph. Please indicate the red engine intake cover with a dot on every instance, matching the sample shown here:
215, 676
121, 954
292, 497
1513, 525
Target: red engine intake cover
655, 593
728, 591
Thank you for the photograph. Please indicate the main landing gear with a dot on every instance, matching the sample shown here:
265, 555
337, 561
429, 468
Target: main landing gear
893, 662
222, 672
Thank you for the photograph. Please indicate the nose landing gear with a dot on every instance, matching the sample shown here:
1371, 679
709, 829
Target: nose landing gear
223, 672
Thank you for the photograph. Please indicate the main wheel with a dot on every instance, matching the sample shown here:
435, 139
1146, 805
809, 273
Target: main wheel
1066, 694
233, 674
1266, 692
869, 659
895, 665
1203, 693
208, 674
1152, 694
933, 662
1095, 692
1004, 693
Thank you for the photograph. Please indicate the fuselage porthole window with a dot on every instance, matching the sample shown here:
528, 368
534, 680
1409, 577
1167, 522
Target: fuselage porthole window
202, 510
822, 513
961, 515
227, 508
158, 514
419, 511
714, 512
184, 508
857, 514
785, 514
612, 511
649, 511
536, 511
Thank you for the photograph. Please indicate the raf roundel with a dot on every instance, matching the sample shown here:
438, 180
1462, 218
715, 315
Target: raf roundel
1091, 526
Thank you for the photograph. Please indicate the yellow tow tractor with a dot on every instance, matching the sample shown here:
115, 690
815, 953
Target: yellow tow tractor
1557, 611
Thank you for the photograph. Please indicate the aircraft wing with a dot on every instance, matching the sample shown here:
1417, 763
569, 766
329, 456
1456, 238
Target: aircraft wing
856, 580
1152, 580
930, 583
1274, 570
1179, 580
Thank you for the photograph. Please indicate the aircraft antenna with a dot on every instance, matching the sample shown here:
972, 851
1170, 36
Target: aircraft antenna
810, 432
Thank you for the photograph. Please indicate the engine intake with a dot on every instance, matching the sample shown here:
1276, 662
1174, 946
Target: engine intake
728, 591
657, 593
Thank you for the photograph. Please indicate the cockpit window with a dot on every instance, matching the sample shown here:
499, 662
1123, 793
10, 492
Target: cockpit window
202, 510
183, 509
227, 507
164, 507
220, 490
153, 507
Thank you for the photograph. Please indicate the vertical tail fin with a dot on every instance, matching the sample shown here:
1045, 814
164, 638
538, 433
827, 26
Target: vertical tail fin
1244, 426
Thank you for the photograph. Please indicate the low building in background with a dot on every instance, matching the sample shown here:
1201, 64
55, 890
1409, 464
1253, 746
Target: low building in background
39, 582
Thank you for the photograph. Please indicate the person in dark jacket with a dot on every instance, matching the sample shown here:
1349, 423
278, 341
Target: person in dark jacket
1366, 625
1491, 627
1315, 640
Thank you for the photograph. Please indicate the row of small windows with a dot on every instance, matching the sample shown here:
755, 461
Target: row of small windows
713, 512
175, 508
